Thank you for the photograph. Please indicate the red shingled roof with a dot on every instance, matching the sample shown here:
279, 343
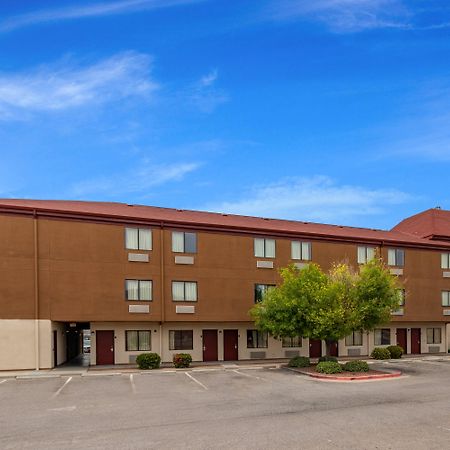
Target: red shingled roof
207, 220
432, 223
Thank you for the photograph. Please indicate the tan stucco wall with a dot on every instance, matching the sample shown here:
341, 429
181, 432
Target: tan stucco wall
17, 344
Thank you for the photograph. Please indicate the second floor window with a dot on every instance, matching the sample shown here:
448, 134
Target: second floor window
260, 290
184, 242
445, 260
396, 257
365, 254
264, 248
138, 290
184, 291
401, 297
138, 238
301, 250
445, 298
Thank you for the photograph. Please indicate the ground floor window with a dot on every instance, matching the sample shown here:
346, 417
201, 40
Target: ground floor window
256, 339
382, 336
354, 339
433, 336
137, 340
181, 340
292, 341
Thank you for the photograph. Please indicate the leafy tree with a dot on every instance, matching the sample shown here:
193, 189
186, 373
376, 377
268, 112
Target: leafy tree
330, 306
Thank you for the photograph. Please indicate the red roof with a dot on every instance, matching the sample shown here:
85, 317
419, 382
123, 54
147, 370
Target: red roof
108, 211
432, 223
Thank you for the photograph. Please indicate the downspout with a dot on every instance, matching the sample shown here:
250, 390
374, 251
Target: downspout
163, 302
36, 290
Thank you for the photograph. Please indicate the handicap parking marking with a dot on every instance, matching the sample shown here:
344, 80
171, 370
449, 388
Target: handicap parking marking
62, 387
195, 380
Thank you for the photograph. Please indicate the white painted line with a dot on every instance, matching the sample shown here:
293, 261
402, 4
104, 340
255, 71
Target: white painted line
195, 379
64, 408
62, 387
247, 375
4, 381
133, 386
206, 370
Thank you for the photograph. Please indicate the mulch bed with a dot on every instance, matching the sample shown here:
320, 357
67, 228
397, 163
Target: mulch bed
346, 376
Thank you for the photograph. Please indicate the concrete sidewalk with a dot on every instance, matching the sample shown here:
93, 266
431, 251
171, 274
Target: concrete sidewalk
119, 369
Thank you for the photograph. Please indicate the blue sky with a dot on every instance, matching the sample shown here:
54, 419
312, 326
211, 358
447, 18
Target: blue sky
333, 111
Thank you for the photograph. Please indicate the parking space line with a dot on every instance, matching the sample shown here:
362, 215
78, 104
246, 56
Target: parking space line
4, 381
62, 387
247, 375
195, 380
133, 386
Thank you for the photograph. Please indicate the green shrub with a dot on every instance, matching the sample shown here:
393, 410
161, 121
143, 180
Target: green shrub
356, 366
148, 361
299, 361
328, 359
329, 367
380, 353
182, 360
396, 351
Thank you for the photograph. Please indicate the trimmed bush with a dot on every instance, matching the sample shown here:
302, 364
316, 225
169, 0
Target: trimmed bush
356, 366
380, 353
329, 367
328, 359
182, 360
148, 361
396, 351
299, 361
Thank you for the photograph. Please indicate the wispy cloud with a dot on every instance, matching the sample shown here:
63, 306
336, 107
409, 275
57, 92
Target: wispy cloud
66, 85
343, 15
138, 180
205, 95
86, 11
316, 198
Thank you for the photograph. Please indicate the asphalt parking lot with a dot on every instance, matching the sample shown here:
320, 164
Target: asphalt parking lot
235, 407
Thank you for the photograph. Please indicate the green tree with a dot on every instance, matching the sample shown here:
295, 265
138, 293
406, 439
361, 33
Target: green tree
329, 306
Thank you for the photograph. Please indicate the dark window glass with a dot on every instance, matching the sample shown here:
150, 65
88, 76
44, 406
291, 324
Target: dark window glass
190, 243
181, 340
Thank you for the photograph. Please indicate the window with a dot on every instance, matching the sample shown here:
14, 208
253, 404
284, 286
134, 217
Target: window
401, 297
445, 298
184, 242
445, 260
138, 290
138, 238
433, 336
355, 339
382, 336
396, 257
184, 291
137, 340
365, 254
181, 340
260, 290
292, 341
301, 250
256, 339
264, 248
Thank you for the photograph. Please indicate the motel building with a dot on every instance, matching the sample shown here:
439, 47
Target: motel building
107, 281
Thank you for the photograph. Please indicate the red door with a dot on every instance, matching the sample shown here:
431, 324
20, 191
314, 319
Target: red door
230, 345
415, 341
401, 338
105, 347
210, 345
334, 349
315, 348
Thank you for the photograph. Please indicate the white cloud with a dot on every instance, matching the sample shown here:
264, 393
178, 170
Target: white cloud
79, 12
55, 88
344, 15
313, 199
204, 94
142, 177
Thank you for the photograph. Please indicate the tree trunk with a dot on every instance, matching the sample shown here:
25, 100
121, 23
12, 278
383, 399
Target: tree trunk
328, 344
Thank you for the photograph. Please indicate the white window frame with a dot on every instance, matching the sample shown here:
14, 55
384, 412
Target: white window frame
182, 285
301, 250
365, 254
179, 237
445, 260
268, 247
140, 290
445, 298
